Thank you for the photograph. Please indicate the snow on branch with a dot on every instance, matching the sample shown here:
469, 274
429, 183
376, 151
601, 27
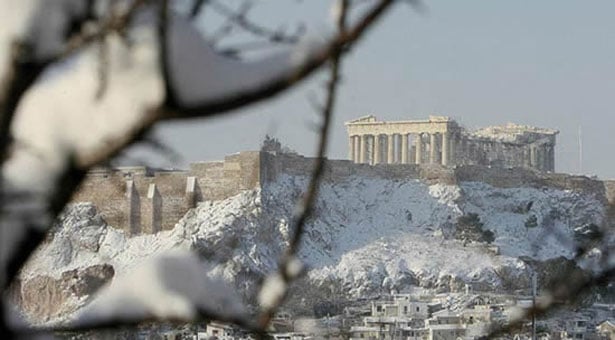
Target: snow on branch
276, 285
174, 286
199, 74
259, 80
202, 89
240, 18
81, 127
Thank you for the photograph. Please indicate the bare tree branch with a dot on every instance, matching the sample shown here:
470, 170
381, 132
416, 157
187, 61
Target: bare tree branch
22, 70
163, 43
240, 19
309, 199
197, 8
21, 73
222, 105
569, 287
77, 168
275, 87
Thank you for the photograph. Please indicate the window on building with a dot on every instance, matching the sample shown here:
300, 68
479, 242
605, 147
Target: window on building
405, 309
417, 309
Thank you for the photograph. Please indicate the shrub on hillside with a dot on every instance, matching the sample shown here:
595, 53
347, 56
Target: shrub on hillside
531, 222
470, 229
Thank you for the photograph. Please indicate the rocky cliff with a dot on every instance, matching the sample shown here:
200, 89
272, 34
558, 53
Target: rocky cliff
368, 235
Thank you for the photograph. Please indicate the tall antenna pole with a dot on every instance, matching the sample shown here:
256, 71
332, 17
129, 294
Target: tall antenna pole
534, 283
580, 151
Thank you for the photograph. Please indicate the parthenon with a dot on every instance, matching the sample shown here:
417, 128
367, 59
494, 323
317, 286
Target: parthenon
441, 140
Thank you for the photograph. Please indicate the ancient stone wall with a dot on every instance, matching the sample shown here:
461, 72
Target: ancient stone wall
339, 170
143, 200
524, 177
107, 190
609, 188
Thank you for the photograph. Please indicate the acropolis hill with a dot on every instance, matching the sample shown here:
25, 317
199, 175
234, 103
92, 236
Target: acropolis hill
436, 150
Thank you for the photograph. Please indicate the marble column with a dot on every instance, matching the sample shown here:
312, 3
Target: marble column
533, 157
452, 157
398, 149
419, 149
551, 158
377, 149
445, 148
404, 148
527, 159
390, 145
432, 148
357, 142
351, 148
463, 149
362, 148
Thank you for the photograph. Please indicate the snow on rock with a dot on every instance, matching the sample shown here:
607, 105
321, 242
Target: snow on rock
169, 286
557, 212
371, 235
48, 299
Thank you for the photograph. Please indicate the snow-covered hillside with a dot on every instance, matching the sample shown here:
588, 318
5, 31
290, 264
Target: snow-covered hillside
368, 234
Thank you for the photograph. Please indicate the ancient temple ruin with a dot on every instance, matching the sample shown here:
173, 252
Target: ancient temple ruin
441, 140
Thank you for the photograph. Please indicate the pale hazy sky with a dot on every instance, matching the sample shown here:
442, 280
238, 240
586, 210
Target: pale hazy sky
548, 63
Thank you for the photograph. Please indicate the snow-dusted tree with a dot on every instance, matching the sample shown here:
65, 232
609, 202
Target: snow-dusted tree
80, 80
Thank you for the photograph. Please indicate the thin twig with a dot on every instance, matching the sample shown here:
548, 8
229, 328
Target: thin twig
164, 21
309, 200
22, 71
569, 287
240, 99
275, 87
21, 75
333, 52
197, 8
239, 18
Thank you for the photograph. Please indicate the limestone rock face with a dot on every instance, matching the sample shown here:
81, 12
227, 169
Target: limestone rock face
368, 236
44, 298
87, 281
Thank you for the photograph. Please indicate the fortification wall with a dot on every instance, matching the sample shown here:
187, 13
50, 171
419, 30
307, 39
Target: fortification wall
524, 177
142, 200
340, 170
609, 188
107, 190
